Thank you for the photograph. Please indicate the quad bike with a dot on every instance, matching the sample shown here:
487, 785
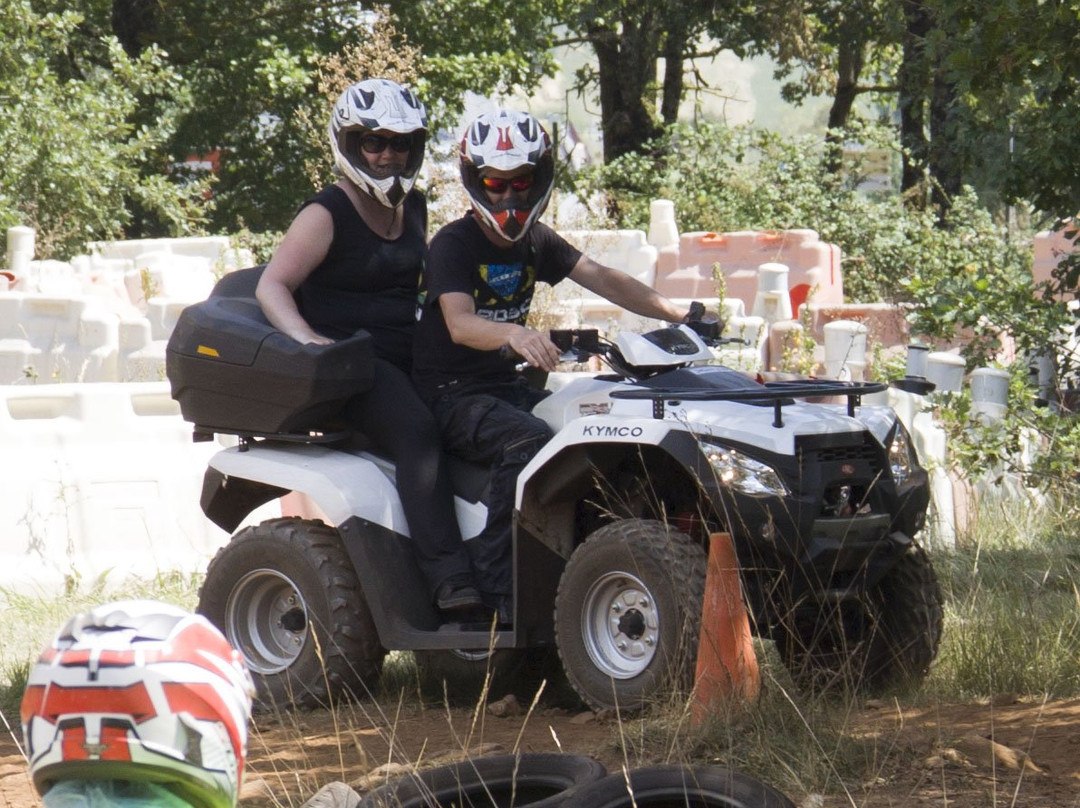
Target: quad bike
822, 500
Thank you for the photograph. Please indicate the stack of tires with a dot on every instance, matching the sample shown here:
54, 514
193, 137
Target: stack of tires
560, 781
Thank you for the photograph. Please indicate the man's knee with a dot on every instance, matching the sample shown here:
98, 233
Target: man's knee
525, 446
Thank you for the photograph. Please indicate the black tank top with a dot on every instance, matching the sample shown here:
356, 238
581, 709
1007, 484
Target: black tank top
367, 281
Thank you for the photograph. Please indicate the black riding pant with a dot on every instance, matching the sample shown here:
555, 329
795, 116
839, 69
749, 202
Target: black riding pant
402, 429
491, 425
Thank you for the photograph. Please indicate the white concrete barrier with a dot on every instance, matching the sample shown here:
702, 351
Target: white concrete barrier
56, 339
98, 480
105, 316
625, 250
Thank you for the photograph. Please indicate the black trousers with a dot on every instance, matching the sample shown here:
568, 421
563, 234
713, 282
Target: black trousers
491, 424
402, 429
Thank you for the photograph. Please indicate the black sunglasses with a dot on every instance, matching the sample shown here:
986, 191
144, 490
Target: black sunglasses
376, 144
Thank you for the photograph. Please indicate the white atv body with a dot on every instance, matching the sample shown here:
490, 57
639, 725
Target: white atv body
614, 515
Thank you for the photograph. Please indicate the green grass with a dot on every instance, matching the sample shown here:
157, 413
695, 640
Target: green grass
1012, 593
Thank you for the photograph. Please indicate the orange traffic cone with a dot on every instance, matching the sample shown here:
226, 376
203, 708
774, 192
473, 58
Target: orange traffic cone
726, 665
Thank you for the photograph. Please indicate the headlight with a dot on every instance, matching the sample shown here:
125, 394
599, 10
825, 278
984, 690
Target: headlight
901, 456
744, 474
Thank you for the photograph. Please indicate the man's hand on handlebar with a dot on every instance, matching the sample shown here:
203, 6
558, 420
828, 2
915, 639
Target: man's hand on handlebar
705, 324
533, 347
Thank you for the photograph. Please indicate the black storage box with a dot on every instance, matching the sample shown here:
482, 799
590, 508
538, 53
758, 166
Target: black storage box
231, 371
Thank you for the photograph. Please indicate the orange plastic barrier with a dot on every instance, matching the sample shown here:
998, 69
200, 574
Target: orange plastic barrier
685, 270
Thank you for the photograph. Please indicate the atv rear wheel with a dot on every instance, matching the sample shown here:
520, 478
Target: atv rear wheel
285, 594
628, 612
886, 639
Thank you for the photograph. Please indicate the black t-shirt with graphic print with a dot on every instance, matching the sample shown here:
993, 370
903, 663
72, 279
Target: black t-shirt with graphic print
500, 280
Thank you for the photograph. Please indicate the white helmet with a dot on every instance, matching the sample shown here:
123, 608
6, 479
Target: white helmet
507, 140
378, 104
140, 691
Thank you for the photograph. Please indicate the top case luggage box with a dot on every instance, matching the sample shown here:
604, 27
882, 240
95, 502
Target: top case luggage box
233, 372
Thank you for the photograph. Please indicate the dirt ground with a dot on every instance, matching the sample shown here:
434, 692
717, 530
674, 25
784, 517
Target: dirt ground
949, 758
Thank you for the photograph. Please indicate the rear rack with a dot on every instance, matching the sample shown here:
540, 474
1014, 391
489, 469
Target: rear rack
779, 393
245, 438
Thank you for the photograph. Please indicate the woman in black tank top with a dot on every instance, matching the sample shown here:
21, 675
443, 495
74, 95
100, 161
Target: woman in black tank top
351, 260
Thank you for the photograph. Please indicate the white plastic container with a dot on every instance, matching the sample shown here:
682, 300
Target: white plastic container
772, 302
946, 370
989, 393
663, 232
845, 349
916, 360
989, 385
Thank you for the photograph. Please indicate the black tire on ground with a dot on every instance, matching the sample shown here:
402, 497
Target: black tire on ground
628, 613
285, 594
672, 786
888, 639
459, 677
501, 781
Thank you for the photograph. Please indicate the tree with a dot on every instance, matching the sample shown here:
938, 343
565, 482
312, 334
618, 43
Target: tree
252, 69
1016, 70
75, 157
630, 37
849, 50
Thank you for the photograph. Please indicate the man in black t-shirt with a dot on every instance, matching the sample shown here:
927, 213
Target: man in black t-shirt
478, 285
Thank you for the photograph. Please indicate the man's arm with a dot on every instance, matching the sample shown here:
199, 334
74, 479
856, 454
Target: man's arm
625, 291
466, 328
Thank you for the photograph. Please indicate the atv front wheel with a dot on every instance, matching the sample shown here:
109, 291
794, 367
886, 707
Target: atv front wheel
887, 638
285, 595
628, 612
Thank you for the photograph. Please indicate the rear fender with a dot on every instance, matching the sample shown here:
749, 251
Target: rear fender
341, 484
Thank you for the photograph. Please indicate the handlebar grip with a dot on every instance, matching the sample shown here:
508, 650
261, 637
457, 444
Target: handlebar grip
697, 311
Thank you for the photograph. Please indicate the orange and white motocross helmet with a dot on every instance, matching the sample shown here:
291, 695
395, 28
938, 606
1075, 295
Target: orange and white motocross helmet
507, 140
140, 691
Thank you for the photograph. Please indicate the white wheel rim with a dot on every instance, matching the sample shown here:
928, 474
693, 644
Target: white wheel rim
620, 625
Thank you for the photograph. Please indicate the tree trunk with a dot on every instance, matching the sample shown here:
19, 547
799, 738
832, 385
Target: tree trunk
913, 83
674, 48
945, 153
135, 24
849, 68
626, 64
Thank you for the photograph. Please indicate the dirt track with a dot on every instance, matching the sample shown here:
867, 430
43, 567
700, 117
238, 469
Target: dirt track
930, 757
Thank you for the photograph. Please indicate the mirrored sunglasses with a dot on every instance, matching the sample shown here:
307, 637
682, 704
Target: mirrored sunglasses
498, 185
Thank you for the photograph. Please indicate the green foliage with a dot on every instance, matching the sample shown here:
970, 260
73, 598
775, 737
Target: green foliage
739, 178
977, 282
1015, 65
77, 161
1032, 442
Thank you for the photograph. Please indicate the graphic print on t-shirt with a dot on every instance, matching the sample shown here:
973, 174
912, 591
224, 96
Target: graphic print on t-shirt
508, 292
503, 278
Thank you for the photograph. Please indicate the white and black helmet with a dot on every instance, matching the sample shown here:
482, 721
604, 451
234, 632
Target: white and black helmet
507, 140
378, 104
